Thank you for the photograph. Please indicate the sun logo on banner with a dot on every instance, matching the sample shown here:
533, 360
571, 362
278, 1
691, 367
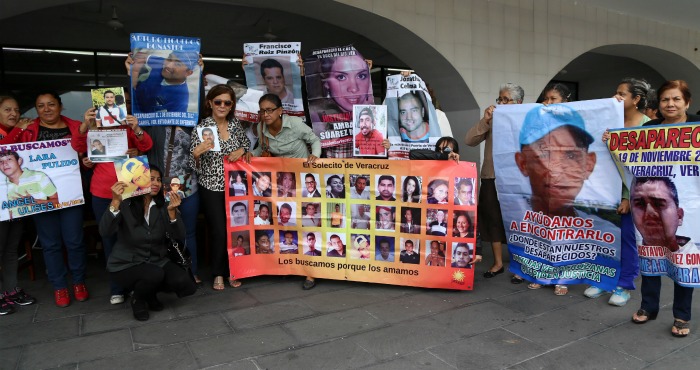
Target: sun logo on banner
458, 277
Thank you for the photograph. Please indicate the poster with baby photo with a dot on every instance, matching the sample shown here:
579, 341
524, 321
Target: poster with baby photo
369, 130
209, 134
136, 173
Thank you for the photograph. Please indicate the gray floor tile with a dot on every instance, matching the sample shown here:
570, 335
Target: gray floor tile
685, 358
171, 357
422, 360
478, 318
342, 300
290, 290
649, 341
86, 348
39, 332
212, 302
404, 338
234, 347
179, 330
556, 328
578, 356
268, 314
333, 325
337, 354
535, 302
9, 357
493, 349
121, 318
409, 307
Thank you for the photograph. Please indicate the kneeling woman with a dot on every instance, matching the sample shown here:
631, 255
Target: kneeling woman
138, 261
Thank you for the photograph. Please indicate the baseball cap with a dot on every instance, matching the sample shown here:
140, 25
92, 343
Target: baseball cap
188, 58
542, 120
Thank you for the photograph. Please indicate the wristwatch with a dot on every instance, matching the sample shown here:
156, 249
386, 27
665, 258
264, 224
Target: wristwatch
112, 209
140, 133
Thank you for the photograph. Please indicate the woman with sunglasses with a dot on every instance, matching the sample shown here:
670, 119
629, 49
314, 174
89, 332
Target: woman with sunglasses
209, 166
285, 136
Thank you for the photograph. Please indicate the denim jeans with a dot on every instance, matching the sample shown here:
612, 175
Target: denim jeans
682, 297
56, 228
629, 258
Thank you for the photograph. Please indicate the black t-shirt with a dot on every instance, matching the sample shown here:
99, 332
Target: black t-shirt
46, 133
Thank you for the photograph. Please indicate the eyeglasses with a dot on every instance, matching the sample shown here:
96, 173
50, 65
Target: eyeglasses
500, 100
227, 103
268, 111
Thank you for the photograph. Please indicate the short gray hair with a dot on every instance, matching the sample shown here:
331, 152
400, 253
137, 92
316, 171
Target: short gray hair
516, 92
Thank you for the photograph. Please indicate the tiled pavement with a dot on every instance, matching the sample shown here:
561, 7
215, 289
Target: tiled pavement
271, 323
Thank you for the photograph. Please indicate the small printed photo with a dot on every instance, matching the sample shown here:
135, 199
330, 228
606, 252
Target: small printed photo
359, 186
237, 183
361, 216
239, 212
386, 186
436, 221
286, 212
411, 189
462, 224
97, 147
264, 242
438, 191
312, 214
262, 184
335, 186
410, 220
310, 188
336, 245
386, 216
176, 184
410, 251
361, 247
263, 213
336, 215
209, 134
369, 130
289, 242
286, 184
464, 191
110, 106
240, 243
462, 255
135, 172
384, 248
312, 243
434, 256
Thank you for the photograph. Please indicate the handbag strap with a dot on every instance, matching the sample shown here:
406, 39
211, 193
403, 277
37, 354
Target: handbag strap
265, 141
171, 147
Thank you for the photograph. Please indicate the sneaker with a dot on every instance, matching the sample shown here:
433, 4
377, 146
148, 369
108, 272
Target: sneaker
593, 292
80, 292
6, 306
619, 297
116, 299
62, 297
19, 297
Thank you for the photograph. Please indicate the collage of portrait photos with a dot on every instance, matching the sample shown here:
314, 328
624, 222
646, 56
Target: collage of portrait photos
310, 219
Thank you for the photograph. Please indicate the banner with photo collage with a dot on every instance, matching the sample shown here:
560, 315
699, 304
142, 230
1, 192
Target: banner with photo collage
660, 165
380, 221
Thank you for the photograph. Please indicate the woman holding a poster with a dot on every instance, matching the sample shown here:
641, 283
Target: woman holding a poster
674, 101
104, 176
64, 226
286, 136
10, 230
209, 166
139, 261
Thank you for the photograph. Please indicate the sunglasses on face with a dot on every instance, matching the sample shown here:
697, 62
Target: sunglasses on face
227, 103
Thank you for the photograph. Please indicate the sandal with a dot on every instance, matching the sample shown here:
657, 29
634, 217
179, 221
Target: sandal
561, 289
515, 279
234, 283
679, 325
642, 316
218, 283
197, 280
534, 286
